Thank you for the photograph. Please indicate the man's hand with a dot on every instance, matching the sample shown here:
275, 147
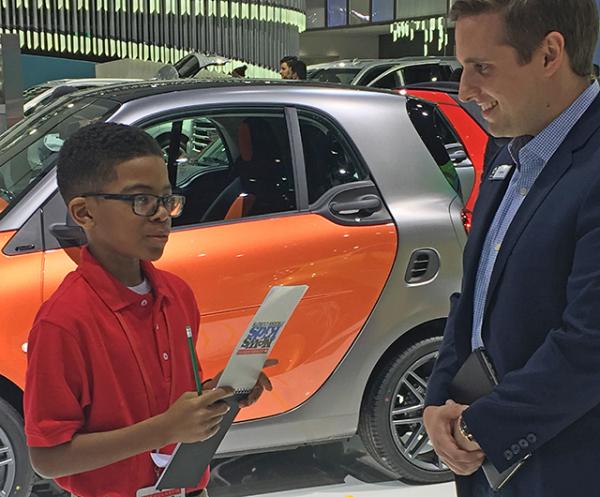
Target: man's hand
263, 383
440, 423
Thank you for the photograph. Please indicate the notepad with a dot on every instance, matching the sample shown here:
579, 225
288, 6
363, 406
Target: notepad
189, 461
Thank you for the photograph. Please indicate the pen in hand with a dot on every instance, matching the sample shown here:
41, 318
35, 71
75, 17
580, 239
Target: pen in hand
188, 332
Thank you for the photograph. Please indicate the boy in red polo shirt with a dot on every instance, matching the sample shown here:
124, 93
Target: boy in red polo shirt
110, 377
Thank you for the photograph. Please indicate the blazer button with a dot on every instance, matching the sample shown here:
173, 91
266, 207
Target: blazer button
515, 449
531, 438
523, 443
508, 455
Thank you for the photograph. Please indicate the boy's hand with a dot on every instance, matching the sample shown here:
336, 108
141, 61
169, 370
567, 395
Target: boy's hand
193, 417
263, 383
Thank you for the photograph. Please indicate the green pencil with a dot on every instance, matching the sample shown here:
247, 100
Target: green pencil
188, 332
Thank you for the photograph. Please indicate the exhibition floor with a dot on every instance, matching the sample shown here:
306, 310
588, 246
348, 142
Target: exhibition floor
332, 470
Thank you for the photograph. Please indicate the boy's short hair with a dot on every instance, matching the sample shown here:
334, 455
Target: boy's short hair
527, 22
88, 158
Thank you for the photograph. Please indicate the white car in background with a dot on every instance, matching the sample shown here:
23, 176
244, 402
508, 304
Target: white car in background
41, 95
385, 73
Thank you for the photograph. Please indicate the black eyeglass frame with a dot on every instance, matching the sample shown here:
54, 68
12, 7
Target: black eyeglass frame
130, 197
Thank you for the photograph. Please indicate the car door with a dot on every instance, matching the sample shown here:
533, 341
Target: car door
255, 219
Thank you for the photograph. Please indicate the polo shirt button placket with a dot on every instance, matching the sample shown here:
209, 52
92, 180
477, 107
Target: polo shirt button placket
165, 356
144, 303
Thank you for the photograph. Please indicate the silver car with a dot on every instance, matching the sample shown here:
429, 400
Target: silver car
349, 191
385, 73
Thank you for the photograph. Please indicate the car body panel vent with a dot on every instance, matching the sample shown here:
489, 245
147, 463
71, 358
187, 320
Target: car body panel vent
423, 266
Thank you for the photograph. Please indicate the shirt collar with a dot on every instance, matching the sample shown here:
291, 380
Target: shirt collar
114, 293
540, 148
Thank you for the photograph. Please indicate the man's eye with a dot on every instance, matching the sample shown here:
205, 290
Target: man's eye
481, 68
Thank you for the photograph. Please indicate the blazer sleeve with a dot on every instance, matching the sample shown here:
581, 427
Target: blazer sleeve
561, 382
446, 365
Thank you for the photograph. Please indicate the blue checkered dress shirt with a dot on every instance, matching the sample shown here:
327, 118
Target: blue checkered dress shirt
530, 154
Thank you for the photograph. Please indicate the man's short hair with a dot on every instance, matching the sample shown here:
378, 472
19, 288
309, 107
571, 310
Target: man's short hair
299, 68
288, 59
527, 23
88, 158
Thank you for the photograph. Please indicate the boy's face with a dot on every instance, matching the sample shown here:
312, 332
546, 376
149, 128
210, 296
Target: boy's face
112, 228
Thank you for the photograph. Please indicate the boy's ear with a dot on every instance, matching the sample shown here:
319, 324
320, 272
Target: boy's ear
80, 212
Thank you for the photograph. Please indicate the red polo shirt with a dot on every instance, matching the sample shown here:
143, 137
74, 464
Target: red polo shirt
102, 357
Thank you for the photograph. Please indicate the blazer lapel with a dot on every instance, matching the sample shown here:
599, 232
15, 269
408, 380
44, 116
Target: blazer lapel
558, 165
490, 196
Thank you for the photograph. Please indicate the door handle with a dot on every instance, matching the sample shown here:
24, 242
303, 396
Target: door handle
367, 204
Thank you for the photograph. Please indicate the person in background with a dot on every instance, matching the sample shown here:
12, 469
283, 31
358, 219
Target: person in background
298, 68
285, 69
239, 72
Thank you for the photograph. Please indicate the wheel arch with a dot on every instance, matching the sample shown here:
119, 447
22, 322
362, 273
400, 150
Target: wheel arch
423, 331
12, 394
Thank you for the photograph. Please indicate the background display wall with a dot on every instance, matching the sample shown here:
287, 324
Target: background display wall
257, 33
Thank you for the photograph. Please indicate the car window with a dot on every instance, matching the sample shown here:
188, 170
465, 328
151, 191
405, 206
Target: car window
373, 73
424, 73
230, 165
436, 135
30, 148
328, 158
388, 81
334, 75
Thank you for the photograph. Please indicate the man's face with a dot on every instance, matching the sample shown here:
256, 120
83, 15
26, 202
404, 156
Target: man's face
285, 71
116, 229
510, 95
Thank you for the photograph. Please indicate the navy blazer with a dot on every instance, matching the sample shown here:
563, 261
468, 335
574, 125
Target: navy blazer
541, 325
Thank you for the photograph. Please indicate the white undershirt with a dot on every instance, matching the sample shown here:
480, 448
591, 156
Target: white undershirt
141, 289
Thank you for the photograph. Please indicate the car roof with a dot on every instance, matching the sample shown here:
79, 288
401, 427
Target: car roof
86, 81
363, 63
123, 93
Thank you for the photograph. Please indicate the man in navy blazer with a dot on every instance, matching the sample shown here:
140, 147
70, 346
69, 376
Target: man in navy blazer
531, 286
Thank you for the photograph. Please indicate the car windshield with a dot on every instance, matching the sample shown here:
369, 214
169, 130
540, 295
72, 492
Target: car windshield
335, 75
30, 148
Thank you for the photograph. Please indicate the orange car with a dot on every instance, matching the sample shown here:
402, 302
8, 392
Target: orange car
332, 187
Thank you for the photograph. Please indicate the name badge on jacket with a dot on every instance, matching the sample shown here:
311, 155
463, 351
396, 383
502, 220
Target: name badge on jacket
500, 172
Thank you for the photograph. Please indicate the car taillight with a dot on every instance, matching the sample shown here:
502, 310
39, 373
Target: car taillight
466, 215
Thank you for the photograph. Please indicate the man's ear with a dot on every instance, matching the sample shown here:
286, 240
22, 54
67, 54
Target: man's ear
79, 210
553, 49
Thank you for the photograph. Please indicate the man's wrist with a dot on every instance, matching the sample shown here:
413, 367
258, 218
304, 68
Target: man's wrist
464, 430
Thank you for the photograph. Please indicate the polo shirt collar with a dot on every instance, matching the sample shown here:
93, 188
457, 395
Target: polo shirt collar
114, 293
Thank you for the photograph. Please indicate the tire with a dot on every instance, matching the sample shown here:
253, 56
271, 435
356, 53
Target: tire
16, 476
399, 384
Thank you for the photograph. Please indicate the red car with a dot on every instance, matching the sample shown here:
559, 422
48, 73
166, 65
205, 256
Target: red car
471, 147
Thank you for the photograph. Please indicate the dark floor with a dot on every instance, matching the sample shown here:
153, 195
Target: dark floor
279, 471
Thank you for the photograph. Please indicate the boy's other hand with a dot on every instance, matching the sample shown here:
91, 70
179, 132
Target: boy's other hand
193, 417
263, 383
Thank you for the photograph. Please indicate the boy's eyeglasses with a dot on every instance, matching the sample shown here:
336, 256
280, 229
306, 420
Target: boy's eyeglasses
146, 204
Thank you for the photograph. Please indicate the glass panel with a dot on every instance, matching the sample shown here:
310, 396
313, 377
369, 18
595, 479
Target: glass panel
359, 11
383, 10
337, 12
231, 165
29, 149
406, 9
328, 159
315, 14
